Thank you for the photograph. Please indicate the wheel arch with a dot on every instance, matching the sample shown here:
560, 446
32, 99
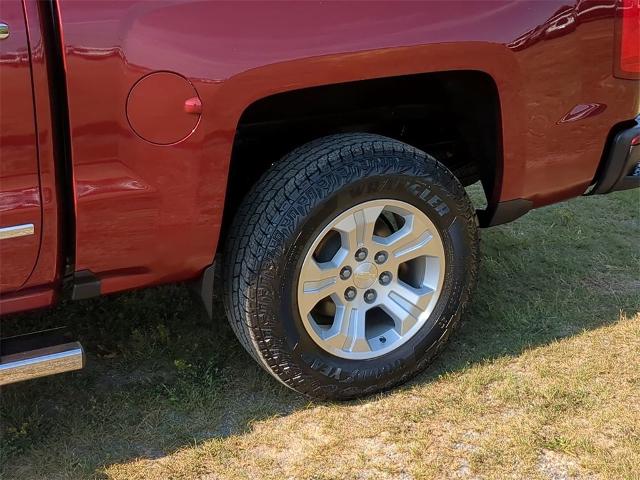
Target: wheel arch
264, 93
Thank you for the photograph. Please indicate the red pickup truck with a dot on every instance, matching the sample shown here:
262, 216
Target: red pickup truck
311, 157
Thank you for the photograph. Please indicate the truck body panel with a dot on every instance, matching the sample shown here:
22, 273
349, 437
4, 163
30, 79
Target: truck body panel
148, 207
148, 213
20, 203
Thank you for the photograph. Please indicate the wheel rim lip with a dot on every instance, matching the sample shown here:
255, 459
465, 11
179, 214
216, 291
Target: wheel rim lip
424, 316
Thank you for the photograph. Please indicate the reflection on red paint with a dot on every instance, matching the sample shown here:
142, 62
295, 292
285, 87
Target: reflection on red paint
12, 200
582, 111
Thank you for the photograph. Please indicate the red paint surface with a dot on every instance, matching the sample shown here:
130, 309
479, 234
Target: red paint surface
44, 278
47, 270
149, 214
19, 183
27, 300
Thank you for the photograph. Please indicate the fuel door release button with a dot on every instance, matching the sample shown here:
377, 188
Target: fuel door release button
163, 108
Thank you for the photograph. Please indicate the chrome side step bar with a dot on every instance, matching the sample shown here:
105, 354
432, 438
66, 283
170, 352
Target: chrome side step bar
41, 362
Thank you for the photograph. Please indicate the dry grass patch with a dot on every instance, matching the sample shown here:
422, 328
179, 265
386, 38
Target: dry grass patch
566, 410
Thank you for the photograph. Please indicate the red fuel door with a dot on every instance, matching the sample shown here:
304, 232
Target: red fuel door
163, 108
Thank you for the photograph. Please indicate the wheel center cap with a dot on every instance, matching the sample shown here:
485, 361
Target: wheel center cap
365, 275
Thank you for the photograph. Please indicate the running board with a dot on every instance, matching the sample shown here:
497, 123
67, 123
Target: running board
41, 362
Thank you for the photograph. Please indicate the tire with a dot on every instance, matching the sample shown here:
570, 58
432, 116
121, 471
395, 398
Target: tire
287, 212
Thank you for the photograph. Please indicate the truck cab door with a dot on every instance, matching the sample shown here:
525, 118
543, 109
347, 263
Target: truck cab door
20, 203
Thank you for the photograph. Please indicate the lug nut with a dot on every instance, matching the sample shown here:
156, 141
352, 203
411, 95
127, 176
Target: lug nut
385, 278
350, 293
381, 257
370, 296
361, 254
345, 273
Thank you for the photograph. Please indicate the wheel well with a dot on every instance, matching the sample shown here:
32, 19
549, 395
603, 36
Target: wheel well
454, 116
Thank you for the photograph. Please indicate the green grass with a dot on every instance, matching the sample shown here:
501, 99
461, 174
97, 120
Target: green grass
541, 381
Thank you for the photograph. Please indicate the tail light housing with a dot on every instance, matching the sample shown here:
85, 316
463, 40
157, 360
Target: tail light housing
628, 39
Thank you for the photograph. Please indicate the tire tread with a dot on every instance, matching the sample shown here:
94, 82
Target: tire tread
293, 183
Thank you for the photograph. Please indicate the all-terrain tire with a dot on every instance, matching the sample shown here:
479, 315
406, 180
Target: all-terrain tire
278, 221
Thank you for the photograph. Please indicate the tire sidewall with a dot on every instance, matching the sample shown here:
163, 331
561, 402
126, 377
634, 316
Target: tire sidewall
449, 214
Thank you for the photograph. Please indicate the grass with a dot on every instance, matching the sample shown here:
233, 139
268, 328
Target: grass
541, 381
